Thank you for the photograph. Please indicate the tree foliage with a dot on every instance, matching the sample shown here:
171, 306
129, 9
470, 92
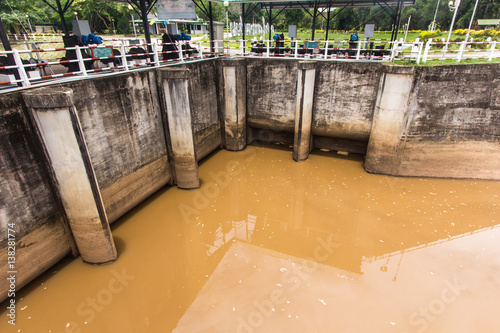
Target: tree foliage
102, 15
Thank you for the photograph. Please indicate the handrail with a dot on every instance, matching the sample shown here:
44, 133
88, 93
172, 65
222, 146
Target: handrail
98, 59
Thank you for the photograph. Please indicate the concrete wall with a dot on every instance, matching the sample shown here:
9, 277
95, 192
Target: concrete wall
449, 125
28, 204
124, 128
122, 123
433, 121
344, 99
438, 121
204, 82
271, 94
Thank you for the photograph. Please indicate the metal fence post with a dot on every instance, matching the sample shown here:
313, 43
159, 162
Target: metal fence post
124, 56
359, 50
81, 63
181, 58
20, 69
268, 45
420, 49
492, 51
242, 50
326, 50
296, 49
445, 50
426, 51
393, 50
155, 55
461, 51
201, 50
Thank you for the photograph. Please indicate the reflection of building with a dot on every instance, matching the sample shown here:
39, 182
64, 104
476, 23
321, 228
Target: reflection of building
330, 245
232, 230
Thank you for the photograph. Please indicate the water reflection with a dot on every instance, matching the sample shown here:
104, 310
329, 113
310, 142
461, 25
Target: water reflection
330, 246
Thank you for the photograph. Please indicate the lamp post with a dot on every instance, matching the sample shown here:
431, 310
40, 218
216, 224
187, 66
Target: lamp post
407, 27
29, 23
471, 19
133, 22
433, 24
226, 5
453, 5
76, 15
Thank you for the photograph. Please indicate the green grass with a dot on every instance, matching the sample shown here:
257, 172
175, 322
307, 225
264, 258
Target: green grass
448, 62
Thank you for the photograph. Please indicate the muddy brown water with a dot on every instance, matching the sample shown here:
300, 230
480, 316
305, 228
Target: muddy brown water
270, 245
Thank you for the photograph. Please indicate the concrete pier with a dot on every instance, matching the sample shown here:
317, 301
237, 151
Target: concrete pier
60, 132
302, 143
235, 103
180, 126
389, 120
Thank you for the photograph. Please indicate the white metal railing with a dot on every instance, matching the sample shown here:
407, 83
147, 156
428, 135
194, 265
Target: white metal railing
459, 51
28, 67
332, 49
35, 64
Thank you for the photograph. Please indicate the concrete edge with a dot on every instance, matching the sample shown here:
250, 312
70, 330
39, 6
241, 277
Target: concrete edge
48, 98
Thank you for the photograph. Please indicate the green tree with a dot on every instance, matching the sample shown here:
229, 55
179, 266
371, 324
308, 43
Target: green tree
123, 25
294, 16
15, 15
218, 11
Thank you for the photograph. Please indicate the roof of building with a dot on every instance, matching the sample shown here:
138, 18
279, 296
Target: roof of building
311, 3
488, 22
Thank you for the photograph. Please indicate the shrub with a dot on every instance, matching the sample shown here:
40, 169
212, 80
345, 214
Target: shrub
425, 35
490, 32
477, 33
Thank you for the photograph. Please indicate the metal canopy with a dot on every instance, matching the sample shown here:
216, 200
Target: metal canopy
322, 3
392, 7
300, 4
325, 3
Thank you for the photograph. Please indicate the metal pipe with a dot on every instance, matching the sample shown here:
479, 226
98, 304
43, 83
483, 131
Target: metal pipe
270, 20
433, 24
145, 24
398, 20
61, 15
471, 20
243, 17
394, 23
211, 18
328, 19
315, 13
452, 21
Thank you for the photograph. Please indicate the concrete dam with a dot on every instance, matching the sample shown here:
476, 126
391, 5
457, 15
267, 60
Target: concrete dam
212, 195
